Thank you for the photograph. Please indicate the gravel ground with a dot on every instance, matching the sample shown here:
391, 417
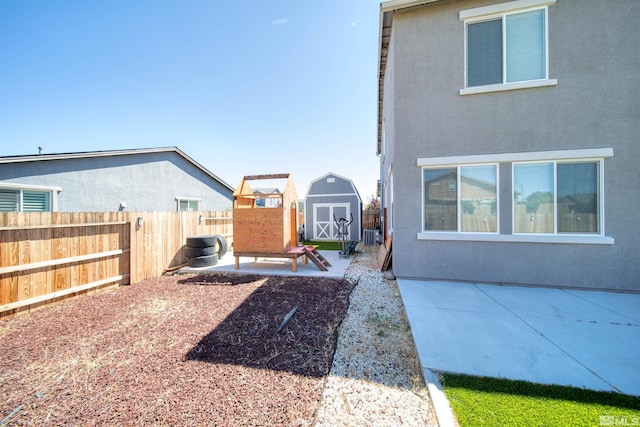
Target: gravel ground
201, 350
375, 379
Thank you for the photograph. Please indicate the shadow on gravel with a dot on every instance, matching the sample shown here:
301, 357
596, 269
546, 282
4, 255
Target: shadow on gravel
249, 335
221, 279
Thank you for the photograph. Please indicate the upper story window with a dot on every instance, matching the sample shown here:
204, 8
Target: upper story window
506, 46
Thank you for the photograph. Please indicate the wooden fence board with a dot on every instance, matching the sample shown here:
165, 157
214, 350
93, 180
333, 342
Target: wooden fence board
49, 255
24, 248
64, 292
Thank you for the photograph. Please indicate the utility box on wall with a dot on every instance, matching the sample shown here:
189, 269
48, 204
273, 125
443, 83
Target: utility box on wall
265, 229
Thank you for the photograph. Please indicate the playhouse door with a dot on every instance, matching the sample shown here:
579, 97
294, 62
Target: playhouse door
324, 227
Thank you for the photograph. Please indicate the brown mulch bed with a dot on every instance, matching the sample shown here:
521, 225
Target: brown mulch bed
181, 350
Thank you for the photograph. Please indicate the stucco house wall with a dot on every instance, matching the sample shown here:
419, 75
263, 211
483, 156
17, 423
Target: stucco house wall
594, 57
134, 180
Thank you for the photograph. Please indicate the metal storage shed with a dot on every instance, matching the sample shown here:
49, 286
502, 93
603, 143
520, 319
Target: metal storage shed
327, 196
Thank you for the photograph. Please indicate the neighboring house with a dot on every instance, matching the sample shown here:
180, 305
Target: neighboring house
268, 202
155, 179
508, 141
330, 198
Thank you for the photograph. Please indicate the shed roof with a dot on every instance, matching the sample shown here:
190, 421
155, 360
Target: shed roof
331, 174
106, 153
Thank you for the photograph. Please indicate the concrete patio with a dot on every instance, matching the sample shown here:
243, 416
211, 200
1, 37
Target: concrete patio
278, 266
586, 339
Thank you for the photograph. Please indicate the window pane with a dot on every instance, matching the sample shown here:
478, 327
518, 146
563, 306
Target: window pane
478, 194
440, 199
35, 201
526, 46
484, 53
578, 198
8, 201
533, 198
193, 205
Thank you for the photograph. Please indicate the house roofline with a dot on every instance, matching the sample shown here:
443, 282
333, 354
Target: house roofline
108, 153
403, 4
387, 9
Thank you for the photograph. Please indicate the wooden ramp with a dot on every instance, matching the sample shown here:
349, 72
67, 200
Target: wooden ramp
315, 256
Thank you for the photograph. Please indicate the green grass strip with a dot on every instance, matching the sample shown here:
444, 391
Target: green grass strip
324, 246
479, 401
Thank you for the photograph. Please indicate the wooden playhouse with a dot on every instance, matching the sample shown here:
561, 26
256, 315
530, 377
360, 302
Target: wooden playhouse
268, 229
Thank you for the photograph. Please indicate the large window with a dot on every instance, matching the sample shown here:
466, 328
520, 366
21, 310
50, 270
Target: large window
551, 197
462, 199
506, 44
24, 201
556, 197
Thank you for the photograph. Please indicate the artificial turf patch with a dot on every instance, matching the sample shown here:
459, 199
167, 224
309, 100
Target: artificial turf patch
324, 246
480, 401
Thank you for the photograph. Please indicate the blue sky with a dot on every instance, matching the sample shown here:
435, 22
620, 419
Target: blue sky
244, 87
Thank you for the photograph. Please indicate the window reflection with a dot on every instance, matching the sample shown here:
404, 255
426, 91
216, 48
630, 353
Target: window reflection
578, 197
440, 199
533, 198
478, 198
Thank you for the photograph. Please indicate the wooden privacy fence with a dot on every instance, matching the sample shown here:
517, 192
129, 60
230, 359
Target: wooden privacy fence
371, 219
47, 257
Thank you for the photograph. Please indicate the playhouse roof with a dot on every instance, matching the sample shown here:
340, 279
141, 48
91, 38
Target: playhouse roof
289, 194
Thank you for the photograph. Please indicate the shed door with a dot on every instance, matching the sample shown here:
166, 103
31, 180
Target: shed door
324, 227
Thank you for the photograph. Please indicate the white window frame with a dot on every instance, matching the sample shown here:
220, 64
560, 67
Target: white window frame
458, 190
555, 164
501, 10
53, 194
588, 154
187, 199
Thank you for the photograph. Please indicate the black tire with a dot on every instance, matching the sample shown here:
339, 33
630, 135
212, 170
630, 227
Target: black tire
190, 252
222, 245
201, 241
203, 261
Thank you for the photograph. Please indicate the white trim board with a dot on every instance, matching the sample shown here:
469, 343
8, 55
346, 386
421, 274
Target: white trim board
502, 87
501, 8
586, 153
8, 186
333, 195
517, 238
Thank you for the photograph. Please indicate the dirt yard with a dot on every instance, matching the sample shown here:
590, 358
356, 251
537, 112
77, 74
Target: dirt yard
183, 350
